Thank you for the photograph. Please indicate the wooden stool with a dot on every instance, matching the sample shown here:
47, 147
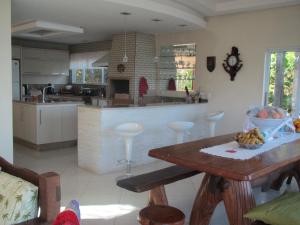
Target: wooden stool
161, 214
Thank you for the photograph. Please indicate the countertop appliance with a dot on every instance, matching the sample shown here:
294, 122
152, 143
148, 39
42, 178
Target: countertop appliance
16, 81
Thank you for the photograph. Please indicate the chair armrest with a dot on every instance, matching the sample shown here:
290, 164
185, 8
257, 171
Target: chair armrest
49, 196
34, 222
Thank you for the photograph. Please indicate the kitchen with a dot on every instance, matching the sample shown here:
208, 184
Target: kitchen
52, 79
91, 105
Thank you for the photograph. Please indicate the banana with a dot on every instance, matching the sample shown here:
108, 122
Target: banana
251, 137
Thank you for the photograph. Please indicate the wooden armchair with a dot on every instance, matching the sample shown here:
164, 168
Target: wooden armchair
49, 191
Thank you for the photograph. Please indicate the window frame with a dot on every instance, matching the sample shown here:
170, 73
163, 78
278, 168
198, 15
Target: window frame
102, 80
266, 80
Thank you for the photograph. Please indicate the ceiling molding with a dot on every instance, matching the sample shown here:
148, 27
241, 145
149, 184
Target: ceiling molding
205, 7
168, 7
248, 5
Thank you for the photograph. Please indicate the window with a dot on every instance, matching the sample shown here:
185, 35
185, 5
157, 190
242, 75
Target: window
84, 70
178, 62
282, 79
92, 75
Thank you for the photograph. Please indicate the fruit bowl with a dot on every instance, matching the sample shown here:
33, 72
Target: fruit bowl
250, 146
266, 124
267, 118
252, 139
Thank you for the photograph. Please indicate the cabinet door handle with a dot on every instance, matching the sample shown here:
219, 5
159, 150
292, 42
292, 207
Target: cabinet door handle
40, 117
22, 115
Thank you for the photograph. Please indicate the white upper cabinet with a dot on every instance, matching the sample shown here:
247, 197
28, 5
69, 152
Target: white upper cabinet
37, 61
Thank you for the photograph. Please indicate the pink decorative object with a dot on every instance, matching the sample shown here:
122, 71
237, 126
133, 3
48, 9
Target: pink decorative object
143, 87
171, 85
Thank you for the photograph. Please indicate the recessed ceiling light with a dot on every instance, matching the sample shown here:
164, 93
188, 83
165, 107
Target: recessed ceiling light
182, 25
156, 20
125, 13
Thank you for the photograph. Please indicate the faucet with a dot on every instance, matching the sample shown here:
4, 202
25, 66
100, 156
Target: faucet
44, 92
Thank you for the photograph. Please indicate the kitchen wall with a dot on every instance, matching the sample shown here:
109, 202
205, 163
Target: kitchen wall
253, 33
117, 53
6, 135
91, 47
144, 65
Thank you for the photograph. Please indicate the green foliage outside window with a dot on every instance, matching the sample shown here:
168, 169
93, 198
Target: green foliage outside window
288, 82
79, 76
90, 76
184, 77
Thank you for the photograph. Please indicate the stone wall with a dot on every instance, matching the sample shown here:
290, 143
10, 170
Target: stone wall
140, 52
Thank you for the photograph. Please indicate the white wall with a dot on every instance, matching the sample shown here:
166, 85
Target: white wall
6, 136
253, 33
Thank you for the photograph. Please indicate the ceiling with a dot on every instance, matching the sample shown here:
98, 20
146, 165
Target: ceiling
101, 18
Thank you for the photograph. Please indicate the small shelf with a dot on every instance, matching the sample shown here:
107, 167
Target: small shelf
180, 68
173, 56
176, 79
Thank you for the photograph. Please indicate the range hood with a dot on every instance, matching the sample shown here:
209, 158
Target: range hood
103, 61
43, 29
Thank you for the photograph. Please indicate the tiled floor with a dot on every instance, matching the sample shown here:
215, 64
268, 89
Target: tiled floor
102, 202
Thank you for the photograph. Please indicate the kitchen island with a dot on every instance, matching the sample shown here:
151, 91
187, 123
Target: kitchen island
44, 126
100, 149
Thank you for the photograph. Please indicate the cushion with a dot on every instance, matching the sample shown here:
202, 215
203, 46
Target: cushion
284, 210
18, 200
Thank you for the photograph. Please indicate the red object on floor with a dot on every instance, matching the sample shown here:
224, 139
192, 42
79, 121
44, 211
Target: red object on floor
67, 217
171, 85
143, 87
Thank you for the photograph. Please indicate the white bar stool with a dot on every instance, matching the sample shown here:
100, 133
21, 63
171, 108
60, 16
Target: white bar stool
180, 127
213, 118
128, 131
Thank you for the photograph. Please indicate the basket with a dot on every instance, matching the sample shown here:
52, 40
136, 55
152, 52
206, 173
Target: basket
250, 146
266, 124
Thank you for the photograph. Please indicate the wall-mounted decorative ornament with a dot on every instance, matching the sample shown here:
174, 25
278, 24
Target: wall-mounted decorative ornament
211, 63
121, 68
232, 64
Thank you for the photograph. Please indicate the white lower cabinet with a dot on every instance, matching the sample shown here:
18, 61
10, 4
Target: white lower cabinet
24, 117
49, 124
69, 123
45, 124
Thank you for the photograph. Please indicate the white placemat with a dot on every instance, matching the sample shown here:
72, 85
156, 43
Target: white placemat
231, 150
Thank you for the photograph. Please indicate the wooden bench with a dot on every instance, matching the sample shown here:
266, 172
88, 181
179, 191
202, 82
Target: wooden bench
155, 182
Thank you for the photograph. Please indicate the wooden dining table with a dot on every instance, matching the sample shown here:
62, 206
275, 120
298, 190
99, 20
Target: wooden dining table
231, 180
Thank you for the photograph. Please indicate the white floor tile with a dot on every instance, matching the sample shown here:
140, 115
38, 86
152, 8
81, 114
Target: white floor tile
102, 201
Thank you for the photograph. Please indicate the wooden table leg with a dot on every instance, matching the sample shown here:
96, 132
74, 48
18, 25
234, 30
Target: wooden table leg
157, 196
290, 174
206, 201
297, 175
238, 200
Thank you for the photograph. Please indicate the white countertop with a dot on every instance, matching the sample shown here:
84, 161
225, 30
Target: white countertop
51, 103
148, 106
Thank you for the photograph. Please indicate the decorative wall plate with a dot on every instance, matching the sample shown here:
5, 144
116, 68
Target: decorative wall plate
121, 68
211, 63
